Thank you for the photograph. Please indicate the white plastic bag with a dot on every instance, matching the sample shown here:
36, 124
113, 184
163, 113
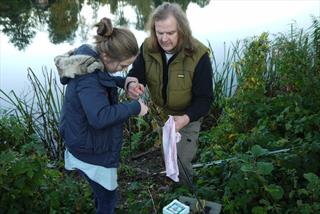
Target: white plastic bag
170, 138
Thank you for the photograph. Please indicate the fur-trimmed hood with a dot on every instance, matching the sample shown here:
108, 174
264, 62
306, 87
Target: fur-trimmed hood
72, 64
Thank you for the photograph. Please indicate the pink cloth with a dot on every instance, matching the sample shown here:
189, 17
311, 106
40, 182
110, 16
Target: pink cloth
170, 138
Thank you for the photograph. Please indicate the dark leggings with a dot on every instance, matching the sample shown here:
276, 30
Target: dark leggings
105, 200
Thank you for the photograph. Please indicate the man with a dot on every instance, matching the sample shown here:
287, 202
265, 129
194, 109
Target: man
177, 71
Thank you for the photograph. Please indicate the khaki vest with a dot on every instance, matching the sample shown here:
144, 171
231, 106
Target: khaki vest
180, 76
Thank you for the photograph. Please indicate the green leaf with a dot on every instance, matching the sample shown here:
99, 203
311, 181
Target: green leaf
257, 151
20, 182
247, 167
314, 181
264, 202
259, 210
311, 177
302, 192
275, 191
264, 168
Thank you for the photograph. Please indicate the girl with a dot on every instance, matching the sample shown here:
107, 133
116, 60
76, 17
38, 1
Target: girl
91, 118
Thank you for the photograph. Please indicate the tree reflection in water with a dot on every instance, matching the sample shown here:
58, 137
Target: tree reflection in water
20, 19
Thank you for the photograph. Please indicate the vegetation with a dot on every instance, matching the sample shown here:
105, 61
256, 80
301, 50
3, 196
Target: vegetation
29, 182
276, 106
260, 144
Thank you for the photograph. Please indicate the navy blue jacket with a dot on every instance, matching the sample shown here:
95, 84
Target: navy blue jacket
91, 122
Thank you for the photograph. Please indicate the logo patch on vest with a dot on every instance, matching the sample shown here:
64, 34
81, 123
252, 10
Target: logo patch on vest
180, 75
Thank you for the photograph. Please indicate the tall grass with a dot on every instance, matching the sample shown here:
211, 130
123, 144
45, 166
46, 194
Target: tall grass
224, 78
39, 111
225, 73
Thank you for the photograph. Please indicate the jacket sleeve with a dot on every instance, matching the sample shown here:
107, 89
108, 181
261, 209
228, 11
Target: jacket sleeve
202, 89
120, 81
96, 105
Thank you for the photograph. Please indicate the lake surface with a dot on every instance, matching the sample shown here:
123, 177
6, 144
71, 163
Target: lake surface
34, 32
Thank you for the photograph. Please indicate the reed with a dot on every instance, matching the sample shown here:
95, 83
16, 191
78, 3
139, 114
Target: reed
39, 111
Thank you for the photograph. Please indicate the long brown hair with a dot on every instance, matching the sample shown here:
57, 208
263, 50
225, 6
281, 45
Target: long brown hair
118, 43
185, 39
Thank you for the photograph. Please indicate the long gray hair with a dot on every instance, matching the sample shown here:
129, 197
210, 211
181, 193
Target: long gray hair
185, 39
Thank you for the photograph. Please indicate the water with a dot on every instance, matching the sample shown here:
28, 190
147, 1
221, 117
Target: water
32, 34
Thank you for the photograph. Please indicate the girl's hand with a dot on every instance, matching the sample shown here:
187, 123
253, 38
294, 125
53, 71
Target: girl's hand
144, 108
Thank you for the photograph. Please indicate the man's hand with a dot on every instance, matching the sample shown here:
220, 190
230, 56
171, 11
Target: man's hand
181, 121
133, 88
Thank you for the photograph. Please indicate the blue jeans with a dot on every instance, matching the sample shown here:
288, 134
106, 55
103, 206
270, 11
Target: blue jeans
105, 200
